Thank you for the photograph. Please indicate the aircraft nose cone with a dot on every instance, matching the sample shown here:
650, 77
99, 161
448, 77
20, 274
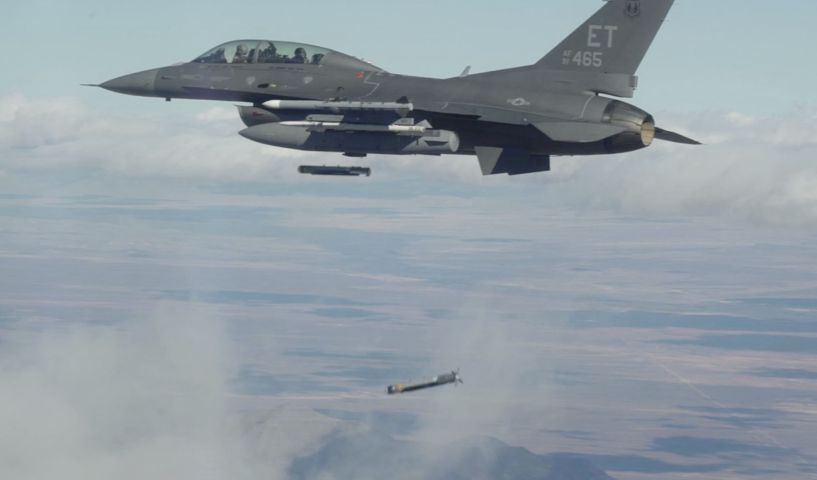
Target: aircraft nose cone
141, 83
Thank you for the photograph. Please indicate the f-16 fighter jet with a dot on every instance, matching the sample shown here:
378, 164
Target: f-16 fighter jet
514, 120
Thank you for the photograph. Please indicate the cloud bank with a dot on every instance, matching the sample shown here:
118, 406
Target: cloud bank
761, 168
146, 399
154, 398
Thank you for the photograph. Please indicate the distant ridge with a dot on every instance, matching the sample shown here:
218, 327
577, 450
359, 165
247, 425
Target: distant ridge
370, 455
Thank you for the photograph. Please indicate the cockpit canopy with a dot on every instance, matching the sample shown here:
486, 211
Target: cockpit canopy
264, 51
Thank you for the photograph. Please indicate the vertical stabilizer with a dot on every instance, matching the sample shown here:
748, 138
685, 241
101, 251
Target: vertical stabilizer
614, 40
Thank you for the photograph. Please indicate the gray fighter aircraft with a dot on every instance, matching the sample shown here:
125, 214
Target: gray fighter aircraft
311, 98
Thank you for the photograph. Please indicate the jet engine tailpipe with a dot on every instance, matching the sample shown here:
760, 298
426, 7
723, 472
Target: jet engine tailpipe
640, 127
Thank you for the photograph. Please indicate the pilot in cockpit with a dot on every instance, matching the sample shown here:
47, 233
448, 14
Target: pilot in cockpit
300, 56
241, 55
268, 55
216, 56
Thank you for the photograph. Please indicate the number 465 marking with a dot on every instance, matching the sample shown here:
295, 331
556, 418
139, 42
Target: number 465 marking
587, 59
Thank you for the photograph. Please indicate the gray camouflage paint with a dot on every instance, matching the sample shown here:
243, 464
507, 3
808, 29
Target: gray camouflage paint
512, 119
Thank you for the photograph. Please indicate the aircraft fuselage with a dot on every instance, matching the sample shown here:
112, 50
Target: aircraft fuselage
312, 98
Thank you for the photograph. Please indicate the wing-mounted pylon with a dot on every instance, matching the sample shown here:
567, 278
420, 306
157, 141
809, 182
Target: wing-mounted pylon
324, 123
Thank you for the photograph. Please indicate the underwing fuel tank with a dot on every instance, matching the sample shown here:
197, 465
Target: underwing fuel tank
355, 139
439, 380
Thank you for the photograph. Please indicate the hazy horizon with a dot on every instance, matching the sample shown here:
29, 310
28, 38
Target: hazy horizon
178, 302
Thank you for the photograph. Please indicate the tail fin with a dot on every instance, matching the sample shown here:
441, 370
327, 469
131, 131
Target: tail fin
614, 40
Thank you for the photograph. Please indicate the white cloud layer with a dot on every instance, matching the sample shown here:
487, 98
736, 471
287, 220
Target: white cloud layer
153, 398
752, 167
145, 399
759, 168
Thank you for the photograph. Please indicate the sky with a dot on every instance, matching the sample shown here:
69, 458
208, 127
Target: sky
177, 302
709, 55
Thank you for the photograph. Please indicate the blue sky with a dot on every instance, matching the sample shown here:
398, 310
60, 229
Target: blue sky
653, 312
752, 56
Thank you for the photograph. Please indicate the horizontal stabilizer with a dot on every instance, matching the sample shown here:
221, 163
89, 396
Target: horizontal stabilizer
494, 160
673, 137
578, 132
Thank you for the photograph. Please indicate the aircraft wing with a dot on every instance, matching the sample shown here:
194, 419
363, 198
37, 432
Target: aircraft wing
340, 106
366, 112
579, 132
482, 112
557, 129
